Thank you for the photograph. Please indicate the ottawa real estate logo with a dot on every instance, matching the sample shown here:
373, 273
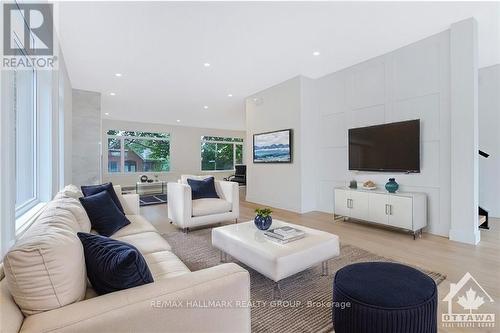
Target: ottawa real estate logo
467, 305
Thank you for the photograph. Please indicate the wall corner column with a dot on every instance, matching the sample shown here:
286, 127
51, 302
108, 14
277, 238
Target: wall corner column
464, 132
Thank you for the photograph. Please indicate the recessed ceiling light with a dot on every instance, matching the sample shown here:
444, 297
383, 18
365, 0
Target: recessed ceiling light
112, 94
118, 74
255, 99
106, 113
316, 53
178, 120
229, 95
206, 64
205, 107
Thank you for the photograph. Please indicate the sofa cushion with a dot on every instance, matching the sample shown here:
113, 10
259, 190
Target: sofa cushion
146, 242
45, 269
12, 317
54, 216
94, 189
74, 206
104, 215
165, 264
202, 207
138, 224
203, 189
113, 265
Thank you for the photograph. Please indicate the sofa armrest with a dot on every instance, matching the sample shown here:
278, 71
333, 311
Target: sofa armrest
130, 204
231, 193
180, 206
170, 305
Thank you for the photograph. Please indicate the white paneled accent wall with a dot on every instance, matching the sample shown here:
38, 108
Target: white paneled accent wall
489, 139
409, 83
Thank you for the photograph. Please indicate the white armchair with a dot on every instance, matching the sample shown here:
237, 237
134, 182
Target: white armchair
186, 213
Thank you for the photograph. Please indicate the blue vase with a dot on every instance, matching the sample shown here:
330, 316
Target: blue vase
391, 186
263, 222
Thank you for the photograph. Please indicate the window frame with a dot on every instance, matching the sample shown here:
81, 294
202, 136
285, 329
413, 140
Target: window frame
122, 139
31, 203
225, 140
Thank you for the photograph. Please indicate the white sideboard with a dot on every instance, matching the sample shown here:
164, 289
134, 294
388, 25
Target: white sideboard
405, 210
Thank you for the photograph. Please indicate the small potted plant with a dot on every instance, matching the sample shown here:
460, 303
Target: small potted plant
263, 219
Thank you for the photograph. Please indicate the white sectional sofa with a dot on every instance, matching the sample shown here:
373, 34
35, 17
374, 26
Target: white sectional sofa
147, 308
185, 212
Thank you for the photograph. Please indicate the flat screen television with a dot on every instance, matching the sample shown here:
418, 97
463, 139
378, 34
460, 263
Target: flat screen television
393, 147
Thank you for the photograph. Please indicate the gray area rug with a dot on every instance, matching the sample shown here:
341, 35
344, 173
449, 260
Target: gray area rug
306, 296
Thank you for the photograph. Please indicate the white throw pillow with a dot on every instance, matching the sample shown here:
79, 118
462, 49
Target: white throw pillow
45, 269
71, 191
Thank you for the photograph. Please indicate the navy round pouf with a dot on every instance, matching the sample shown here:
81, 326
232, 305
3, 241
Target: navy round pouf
384, 298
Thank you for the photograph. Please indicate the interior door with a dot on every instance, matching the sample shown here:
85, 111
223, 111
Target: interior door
341, 204
401, 212
378, 208
359, 205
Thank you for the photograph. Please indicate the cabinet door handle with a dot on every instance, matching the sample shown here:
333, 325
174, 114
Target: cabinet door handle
347, 202
352, 203
390, 209
386, 212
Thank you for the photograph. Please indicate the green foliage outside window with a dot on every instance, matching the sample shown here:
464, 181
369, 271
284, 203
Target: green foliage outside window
142, 151
222, 154
238, 154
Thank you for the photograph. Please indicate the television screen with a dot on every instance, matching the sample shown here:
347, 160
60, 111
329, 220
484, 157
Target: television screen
388, 147
273, 147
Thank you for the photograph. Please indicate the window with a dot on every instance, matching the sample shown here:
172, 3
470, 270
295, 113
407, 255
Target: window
220, 154
26, 164
114, 154
135, 151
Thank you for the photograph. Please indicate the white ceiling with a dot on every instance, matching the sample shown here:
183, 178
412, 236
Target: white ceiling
161, 47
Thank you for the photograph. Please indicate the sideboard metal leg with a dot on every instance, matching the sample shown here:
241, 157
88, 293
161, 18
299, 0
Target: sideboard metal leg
324, 268
277, 291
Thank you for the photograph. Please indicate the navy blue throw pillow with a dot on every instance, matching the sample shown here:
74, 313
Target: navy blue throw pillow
104, 216
113, 265
94, 189
201, 189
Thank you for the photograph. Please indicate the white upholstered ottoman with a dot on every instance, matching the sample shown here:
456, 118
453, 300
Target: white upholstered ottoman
247, 244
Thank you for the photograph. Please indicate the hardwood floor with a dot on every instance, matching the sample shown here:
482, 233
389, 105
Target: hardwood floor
432, 252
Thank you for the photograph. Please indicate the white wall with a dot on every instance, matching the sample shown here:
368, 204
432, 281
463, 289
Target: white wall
276, 108
185, 150
464, 132
413, 82
86, 139
65, 125
290, 104
409, 83
309, 127
489, 139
